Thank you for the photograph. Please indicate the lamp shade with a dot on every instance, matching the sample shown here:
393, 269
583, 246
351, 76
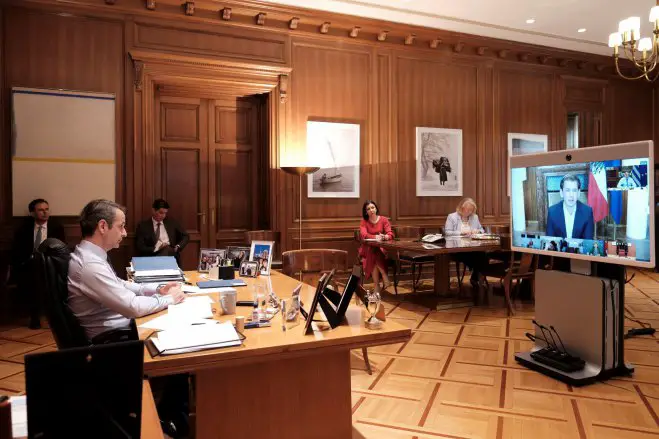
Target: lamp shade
645, 44
615, 39
299, 170
654, 14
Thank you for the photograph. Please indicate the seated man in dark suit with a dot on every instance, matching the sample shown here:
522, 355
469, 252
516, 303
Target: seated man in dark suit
571, 218
27, 238
160, 235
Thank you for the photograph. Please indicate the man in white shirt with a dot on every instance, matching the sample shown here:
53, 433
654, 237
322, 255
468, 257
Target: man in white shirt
160, 235
27, 238
101, 301
627, 182
98, 298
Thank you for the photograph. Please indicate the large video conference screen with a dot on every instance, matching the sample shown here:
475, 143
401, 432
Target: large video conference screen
582, 208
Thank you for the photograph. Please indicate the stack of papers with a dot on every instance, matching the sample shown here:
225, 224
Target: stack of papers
192, 311
196, 338
156, 269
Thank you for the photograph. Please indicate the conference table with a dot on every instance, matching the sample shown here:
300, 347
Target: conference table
442, 252
277, 384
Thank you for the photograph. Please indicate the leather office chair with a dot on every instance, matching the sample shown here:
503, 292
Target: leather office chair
52, 261
414, 260
267, 235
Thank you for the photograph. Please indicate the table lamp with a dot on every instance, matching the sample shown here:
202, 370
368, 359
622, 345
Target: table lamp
300, 171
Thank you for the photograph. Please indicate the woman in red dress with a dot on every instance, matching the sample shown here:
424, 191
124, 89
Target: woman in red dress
374, 226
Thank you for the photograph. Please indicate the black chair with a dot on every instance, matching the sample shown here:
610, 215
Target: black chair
52, 261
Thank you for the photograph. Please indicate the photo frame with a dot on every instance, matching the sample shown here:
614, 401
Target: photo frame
438, 162
249, 269
522, 144
238, 255
210, 258
261, 252
336, 148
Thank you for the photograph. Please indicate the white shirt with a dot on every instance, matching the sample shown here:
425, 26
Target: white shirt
44, 231
569, 220
99, 299
163, 238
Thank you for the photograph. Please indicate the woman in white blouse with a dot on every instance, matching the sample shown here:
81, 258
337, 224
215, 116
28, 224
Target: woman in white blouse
464, 222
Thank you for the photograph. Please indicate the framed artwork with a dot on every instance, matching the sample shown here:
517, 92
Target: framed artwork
210, 258
335, 147
261, 252
521, 144
438, 162
238, 255
249, 269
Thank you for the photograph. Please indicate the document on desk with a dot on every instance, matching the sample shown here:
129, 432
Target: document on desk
192, 308
167, 323
196, 338
194, 290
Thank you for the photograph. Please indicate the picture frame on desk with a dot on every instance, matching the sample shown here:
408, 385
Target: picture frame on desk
249, 269
238, 255
261, 252
210, 258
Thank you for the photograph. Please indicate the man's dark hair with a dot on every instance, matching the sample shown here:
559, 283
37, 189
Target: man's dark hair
366, 203
33, 204
571, 178
94, 212
160, 204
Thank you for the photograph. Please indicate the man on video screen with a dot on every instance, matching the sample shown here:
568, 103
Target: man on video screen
571, 218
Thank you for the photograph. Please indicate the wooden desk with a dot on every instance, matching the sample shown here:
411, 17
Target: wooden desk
441, 252
277, 384
150, 422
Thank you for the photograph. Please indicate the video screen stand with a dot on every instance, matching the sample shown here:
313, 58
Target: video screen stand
588, 313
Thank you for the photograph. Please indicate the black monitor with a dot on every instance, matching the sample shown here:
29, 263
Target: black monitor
93, 391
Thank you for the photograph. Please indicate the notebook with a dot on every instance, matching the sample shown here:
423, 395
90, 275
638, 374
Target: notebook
195, 338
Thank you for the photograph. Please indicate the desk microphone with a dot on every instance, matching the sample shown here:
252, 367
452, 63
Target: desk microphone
546, 339
533, 338
559, 338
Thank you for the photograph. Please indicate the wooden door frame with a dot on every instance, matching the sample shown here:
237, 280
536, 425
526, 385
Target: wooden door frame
152, 68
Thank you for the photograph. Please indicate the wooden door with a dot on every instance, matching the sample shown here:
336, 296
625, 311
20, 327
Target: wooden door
235, 158
181, 167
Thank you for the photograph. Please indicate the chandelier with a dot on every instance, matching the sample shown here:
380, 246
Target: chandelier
643, 52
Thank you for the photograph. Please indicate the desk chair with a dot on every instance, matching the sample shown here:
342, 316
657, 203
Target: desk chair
511, 273
52, 261
308, 265
267, 235
411, 259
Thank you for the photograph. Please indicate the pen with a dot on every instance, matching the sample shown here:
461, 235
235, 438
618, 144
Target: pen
257, 325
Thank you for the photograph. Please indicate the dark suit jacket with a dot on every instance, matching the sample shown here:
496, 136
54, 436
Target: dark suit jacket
23, 244
145, 236
584, 225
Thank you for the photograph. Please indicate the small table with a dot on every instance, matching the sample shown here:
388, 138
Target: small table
441, 252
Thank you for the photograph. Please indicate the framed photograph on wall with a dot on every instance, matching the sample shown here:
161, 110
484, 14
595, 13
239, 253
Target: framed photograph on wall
335, 147
521, 144
438, 162
210, 258
261, 252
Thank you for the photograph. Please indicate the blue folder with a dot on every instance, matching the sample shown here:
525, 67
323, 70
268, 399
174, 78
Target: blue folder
221, 283
146, 263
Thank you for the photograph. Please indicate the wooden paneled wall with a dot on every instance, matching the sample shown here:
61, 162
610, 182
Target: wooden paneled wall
389, 88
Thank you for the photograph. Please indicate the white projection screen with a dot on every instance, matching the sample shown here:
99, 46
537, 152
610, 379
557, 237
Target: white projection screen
63, 148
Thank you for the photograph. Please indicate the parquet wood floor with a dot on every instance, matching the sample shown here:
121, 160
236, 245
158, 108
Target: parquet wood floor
457, 378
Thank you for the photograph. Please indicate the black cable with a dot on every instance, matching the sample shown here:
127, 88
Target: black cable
630, 279
643, 324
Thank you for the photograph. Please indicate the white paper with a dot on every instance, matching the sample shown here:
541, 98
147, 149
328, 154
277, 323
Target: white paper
167, 323
18, 416
192, 308
195, 338
194, 290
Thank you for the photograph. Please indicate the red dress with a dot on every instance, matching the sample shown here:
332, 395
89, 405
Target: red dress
372, 256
